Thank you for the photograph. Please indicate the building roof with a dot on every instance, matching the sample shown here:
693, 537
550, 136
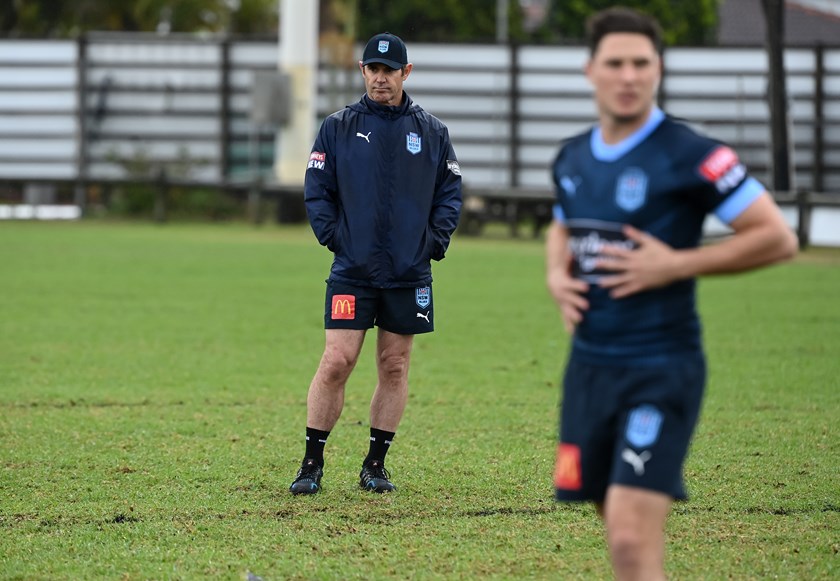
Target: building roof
807, 23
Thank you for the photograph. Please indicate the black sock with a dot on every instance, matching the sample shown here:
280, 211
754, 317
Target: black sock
380, 441
315, 442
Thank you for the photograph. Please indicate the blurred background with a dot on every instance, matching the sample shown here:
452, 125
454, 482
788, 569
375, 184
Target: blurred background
203, 109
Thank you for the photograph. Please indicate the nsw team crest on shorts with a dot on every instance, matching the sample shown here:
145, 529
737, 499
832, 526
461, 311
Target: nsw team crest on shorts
631, 190
643, 426
413, 143
423, 296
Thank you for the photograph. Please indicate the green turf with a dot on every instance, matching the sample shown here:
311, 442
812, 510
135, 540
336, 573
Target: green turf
152, 405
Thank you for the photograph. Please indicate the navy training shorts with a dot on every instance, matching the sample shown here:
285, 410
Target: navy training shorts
404, 311
628, 425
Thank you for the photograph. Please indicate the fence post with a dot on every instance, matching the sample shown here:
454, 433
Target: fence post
777, 98
224, 109
819, 119
80, 189
803, 227
515, 72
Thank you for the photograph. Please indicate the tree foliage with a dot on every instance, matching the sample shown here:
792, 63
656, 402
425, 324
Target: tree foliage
425, 21
59, 18
684, 22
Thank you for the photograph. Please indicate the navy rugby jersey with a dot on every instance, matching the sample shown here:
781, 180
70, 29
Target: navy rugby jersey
664, 179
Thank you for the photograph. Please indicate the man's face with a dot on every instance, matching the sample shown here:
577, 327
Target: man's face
625, 72
384, 84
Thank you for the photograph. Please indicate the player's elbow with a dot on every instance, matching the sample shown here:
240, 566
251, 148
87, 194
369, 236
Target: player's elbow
779, 245
787, 245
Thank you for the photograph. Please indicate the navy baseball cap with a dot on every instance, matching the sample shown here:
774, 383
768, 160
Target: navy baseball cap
385, 48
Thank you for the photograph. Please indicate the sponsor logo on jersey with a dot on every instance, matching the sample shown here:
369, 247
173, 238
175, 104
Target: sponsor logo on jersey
723, 168
453, 166
643, 425
423, 296
343, 307
567, 474
587, 238
383, 46
413, 143
631, 189
316, 160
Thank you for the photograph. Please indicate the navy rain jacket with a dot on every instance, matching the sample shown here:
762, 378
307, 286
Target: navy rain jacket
383, 193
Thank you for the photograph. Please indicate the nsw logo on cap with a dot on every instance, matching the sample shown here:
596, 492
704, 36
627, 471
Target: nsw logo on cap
387, 49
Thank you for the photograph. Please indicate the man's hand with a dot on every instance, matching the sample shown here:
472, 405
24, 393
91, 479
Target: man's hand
652, 264
568, 293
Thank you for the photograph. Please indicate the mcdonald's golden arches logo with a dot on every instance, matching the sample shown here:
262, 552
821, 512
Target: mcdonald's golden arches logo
567, 470
343, 307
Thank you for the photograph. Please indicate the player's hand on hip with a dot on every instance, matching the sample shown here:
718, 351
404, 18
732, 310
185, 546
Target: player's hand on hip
568, 293
651, 264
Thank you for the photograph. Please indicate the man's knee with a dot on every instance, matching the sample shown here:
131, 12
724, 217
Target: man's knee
627, 548
393, 366
337, 363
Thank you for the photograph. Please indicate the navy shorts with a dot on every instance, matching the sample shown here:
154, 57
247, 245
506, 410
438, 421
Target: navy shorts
628, 425
404, 311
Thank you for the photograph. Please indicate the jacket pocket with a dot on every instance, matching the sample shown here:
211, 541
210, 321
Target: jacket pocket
337, 242
424, 252
417, 267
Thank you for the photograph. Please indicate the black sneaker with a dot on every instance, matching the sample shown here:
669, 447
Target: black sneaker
308, 479
375, 478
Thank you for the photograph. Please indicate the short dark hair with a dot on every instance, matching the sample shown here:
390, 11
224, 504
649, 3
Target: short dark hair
619, 19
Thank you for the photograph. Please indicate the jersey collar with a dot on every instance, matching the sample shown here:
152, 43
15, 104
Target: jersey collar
611, 152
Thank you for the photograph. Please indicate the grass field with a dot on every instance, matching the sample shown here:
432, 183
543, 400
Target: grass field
152, 407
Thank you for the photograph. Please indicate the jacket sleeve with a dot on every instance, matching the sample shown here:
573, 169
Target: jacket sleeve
446, 206
320, 190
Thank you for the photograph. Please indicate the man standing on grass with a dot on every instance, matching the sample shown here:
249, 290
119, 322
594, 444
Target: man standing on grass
383, 193
622, 255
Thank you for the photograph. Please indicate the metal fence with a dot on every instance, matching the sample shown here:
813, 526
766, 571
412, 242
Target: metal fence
114, 107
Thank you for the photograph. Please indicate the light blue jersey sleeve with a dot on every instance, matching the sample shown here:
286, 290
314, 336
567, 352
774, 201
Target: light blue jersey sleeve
739, 201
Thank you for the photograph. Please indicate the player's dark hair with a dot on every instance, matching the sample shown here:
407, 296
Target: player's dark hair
619, 19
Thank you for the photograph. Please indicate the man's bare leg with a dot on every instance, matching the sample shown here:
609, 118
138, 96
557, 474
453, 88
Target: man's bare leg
326, 392
635, 521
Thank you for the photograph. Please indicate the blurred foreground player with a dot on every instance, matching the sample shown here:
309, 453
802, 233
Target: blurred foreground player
622, 255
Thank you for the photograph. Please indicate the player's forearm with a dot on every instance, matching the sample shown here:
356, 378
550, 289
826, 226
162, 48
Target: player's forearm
556, 243
752, 248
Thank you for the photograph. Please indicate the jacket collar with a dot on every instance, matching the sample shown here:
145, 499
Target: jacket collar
385, 111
